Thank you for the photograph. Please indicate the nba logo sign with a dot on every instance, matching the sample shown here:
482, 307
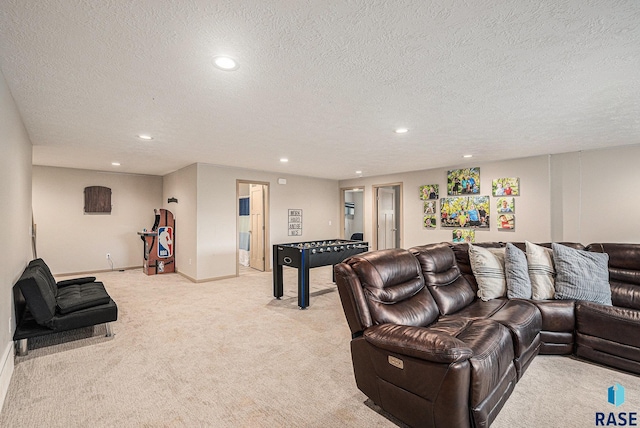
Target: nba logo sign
165, 241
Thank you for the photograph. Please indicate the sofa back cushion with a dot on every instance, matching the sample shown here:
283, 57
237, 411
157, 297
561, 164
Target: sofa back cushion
394, 287
38, 295
623, 261
624, 272
44, 269
442, 276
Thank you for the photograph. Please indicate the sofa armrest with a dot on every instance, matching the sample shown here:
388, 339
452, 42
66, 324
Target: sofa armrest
75, 281
418, 342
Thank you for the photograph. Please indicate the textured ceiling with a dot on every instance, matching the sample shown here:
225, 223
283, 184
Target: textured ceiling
321, 82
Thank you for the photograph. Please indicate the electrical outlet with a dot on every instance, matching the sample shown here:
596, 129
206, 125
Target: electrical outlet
108, 256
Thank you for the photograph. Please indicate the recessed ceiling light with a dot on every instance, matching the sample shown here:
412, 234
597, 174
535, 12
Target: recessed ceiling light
145, 137
115, 163
284, 160
467, 156
225, 63
358, 172
401, 130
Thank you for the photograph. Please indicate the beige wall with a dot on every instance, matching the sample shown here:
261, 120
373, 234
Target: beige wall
15, 218
582, 197
565, 197
599, 195
217, 213
70, 241
183, 185
532, 209
206, 215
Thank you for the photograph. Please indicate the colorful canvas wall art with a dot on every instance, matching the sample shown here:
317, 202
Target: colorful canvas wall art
463, 181
429, 191
465, 211
509, 186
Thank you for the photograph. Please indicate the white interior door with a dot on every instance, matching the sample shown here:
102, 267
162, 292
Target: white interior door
256, 246
386, 218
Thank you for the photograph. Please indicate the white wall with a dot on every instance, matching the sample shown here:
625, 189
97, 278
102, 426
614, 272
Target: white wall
70, 241
217, 212
532, 208
15, 218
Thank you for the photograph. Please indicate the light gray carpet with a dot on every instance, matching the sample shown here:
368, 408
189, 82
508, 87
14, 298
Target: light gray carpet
226, 354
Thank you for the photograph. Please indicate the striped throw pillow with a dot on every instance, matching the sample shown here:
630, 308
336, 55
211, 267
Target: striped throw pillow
541, 271
581, 275
487, 265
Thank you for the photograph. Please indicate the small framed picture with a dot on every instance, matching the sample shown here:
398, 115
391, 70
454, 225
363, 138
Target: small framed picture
509, 186
429, 207
506, 222
429, 221
429, 191
464, 235
505, 205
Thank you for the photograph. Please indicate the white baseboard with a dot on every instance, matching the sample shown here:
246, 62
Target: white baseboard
198, 281
6, 370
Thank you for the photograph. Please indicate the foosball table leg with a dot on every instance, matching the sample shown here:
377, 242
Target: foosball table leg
278, 288
303, 280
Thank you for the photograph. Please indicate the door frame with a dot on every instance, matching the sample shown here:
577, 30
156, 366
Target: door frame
341, 216
399, 216
256, 234
266, 218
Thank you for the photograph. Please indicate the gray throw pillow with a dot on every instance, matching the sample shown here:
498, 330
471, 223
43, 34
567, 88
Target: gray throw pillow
581, 275
517, 273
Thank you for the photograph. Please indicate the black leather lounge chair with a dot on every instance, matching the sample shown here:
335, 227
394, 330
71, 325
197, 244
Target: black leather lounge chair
44, 306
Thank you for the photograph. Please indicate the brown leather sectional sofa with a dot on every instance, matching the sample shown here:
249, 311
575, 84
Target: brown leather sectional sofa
429, 352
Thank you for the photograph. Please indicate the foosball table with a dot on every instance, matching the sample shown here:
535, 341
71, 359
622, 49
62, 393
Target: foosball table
307, 255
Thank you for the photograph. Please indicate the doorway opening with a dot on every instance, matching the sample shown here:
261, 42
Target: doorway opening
387, 216
352, 220
252, 249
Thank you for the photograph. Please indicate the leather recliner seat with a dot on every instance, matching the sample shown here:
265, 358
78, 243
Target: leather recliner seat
425, 370
456, 299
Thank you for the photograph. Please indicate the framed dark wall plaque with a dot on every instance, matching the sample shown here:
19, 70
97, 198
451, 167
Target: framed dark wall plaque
97, 200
